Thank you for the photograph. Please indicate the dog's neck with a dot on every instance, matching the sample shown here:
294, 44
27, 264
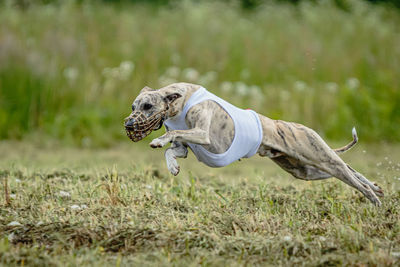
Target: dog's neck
186, 90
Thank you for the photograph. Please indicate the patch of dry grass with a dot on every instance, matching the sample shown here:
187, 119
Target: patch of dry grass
70, 207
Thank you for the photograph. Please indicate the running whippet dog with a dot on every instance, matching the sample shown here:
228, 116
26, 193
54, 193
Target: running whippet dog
219, 133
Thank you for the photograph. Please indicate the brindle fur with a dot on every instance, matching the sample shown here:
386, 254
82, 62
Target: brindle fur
294, 147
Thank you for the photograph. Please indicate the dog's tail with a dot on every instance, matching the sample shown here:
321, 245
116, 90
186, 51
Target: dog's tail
349, 145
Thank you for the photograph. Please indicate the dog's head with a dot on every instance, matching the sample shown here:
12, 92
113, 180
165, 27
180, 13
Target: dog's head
149, 110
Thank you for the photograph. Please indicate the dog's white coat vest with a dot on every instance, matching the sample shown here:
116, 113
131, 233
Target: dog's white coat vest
248, 131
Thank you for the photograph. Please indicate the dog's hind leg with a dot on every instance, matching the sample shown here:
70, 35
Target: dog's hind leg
300, 170
306, 146
378, 191
342, 172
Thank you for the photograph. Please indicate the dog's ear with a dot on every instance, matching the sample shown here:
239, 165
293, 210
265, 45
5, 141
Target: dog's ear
145, 89
172, 97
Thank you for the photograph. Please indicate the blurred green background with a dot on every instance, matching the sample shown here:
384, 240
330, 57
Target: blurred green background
69, 70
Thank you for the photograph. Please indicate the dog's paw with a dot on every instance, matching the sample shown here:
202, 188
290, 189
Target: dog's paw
377, 202
378, 190
172, 164
173, 167
158, 142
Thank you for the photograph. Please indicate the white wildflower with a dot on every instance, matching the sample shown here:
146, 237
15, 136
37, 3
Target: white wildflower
287, 238
190, 74
331, 87
13, 196
300, 86
353, 83
256, 92
17, 180
14, 223
322, 239
83, 206
64, 194
125, 69
71, 74
226, 87
149, 186
75, 207
241, 88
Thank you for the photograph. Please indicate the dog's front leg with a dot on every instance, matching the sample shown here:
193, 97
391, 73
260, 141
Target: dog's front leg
177, 150
198, 119
195, 136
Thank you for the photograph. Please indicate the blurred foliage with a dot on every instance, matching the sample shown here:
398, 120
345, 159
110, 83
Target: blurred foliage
246, 4
71, 70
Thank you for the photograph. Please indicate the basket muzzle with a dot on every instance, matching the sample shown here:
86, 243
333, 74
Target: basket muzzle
142, 126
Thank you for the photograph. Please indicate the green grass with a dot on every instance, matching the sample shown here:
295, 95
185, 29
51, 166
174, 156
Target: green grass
71, 71
131, 211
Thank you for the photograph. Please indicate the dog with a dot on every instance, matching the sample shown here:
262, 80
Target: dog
208, 128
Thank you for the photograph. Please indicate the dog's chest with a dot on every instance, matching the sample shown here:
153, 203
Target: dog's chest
222, 129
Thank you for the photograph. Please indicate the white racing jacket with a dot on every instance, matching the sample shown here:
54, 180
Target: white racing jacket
248, 131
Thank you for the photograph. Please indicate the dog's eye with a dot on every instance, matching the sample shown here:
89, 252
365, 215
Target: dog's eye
147, 106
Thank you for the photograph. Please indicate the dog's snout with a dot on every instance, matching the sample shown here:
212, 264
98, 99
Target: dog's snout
129, 122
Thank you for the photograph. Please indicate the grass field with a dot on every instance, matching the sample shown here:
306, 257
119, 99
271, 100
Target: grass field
119, 206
